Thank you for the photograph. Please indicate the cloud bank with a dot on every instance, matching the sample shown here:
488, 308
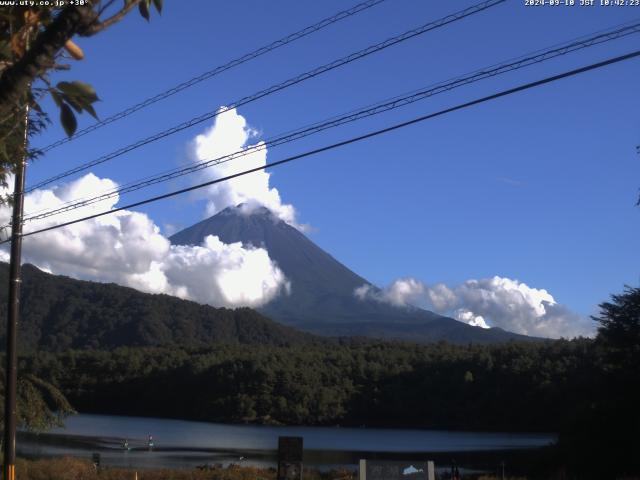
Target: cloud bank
127, 248
229, 134
490, 302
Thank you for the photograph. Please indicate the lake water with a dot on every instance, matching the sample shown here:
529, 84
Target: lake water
179, 443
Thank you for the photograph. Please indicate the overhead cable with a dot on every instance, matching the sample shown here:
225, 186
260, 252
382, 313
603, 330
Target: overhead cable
526, 60
276, 88
216, 71
343, 143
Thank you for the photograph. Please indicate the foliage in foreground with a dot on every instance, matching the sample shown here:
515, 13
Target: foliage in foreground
39, 404
607, 429
35, 41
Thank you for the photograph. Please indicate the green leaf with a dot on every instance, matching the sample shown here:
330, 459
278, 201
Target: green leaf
32, 102
158, 5
143, 6
36, 106
77, 95
68, 120
80, 90
56, 98
73, 103
91, 110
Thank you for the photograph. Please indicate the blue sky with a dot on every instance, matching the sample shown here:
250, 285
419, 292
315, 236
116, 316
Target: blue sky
540, 186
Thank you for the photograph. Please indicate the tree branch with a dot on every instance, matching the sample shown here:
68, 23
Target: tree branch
16, 79
105, 6
100, 26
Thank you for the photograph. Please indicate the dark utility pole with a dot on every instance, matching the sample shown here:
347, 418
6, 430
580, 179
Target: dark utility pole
11, 367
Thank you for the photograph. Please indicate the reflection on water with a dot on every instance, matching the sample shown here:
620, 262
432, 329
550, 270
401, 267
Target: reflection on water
180, 443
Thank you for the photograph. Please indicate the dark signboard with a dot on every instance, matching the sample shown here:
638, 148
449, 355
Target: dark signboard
290, 458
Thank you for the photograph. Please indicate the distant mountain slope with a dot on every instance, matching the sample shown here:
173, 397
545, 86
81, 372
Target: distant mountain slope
322, 288
428, 331
322, 296
60, 313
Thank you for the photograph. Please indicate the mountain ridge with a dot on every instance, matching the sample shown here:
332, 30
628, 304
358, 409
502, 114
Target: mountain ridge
58, 313
322, 298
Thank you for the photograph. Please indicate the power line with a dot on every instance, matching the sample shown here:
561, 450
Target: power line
343, 143
280, 86
387, 105
217, 70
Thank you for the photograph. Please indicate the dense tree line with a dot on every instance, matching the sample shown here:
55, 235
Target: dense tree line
505, 387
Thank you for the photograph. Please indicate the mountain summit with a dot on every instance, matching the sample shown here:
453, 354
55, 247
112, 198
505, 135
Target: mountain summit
322, 296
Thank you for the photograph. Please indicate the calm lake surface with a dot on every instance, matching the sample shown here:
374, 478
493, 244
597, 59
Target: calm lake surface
179, 443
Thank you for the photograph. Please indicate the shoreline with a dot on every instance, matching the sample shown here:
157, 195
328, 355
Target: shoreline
322, 460
336, 427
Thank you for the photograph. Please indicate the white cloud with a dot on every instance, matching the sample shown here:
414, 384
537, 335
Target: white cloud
401, 293
216, 270
230, 134
441, 297
467, 316
490, 302
127, 248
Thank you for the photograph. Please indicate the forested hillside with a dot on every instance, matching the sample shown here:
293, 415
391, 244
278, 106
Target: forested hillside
58, 313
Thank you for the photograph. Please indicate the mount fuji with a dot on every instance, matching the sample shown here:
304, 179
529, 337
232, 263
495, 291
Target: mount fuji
321, 299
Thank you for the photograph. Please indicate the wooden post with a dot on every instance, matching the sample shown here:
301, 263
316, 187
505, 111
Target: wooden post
13, 311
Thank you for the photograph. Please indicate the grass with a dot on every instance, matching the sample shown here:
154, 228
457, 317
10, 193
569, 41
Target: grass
67, 468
